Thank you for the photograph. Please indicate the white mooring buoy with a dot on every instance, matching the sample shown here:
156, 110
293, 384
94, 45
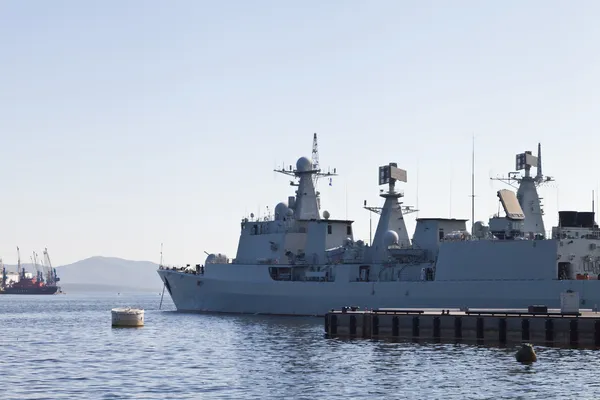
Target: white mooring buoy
127, 317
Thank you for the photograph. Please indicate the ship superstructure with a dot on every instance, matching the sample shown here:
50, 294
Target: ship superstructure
303, 262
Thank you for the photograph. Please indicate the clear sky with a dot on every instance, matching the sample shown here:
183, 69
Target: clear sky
124, 124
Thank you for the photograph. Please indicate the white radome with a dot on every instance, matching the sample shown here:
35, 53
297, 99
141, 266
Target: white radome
390, 238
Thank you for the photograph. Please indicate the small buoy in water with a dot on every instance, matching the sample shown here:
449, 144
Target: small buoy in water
127, 317
526, 354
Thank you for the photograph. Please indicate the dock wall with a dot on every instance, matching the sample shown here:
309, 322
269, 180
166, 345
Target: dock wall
491, 327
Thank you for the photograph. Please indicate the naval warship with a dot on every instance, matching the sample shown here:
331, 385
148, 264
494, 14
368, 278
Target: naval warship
300, 261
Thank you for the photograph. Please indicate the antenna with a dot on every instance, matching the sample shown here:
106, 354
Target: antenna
18, 261
370, 227
161, 255
473, 186
417, 205
450, 194
315, 158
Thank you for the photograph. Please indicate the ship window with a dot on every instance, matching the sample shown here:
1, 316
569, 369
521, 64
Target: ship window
348, 230
329, 229
441, 234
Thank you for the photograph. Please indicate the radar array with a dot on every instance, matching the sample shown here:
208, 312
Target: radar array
389, 174
524, 161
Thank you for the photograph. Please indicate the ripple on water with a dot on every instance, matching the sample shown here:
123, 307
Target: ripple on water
64, 347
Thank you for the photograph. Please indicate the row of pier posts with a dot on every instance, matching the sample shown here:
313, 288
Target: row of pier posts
546, 329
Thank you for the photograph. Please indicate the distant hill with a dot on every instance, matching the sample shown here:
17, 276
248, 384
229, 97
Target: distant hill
13, 268
106, 272
111, 271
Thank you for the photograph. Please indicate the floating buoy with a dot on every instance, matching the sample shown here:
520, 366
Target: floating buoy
127, 317
526, 354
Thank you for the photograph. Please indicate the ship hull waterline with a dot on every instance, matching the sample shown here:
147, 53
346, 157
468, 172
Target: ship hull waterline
198, 293
41, 291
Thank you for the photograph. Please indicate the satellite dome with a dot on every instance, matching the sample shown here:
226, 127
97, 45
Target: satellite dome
303, 164
326, 214
390, 238
289, 212
281, 210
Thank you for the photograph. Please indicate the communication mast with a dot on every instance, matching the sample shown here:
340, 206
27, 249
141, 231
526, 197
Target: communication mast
524, 161
389, 174
315, 159
526, 186
313, 168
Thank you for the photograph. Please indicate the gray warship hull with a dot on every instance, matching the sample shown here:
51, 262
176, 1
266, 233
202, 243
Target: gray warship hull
300, 261
195, 293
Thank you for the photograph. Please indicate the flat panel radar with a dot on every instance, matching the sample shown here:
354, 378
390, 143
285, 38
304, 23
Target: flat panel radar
511, 205
391, 171
525, 160
398, 174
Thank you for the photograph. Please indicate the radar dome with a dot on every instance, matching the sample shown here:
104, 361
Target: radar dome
326, 214
390, 238
281, 210
289, 212
303, 164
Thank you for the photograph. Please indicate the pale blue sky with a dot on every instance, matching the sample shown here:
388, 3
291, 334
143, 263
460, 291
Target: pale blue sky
124, 124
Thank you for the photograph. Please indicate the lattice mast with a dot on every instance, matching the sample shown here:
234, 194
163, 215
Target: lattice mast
315, 159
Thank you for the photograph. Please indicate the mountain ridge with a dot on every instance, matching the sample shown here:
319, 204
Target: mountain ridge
105, 271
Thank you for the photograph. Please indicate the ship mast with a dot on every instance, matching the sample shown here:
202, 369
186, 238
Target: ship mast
473, 186
315, 159
306, 204
527, 194
391, 217
19, 263
161, 255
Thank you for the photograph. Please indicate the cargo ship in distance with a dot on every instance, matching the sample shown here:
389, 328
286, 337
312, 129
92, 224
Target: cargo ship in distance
300, 261
43, 282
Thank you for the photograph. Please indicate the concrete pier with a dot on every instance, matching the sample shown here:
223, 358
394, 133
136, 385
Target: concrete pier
490, 326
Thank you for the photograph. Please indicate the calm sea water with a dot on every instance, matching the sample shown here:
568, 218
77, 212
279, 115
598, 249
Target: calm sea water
63, 347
